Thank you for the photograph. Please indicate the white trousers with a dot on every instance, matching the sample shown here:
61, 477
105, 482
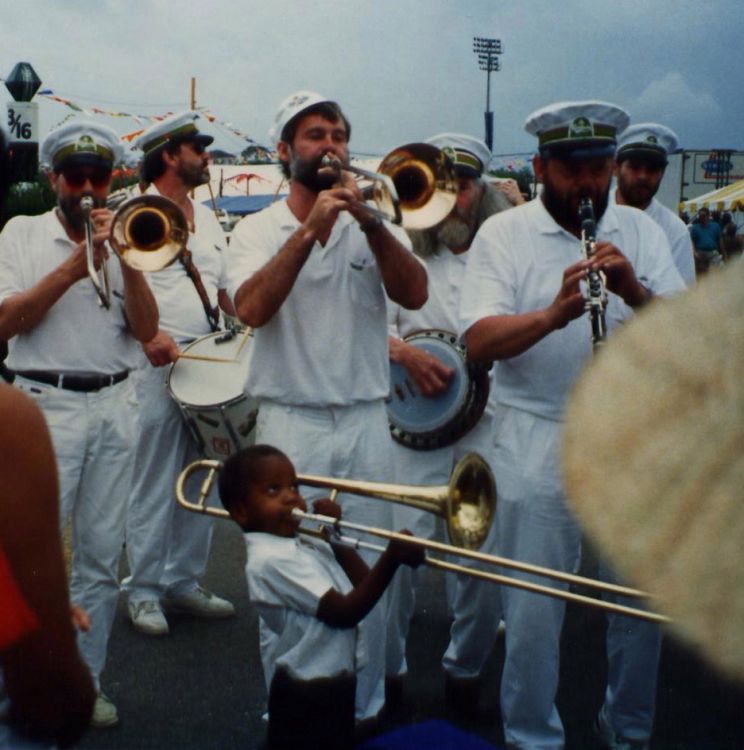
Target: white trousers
167, 546
475, 605
535, 525
349, 442
93, 436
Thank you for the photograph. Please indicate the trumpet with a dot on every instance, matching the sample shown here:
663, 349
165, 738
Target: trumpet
148, 232
467, 504
414, 187
98, 277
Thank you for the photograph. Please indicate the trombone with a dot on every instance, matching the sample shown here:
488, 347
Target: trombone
414, 186
467, 504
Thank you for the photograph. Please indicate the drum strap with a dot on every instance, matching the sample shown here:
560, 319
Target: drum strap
212, 313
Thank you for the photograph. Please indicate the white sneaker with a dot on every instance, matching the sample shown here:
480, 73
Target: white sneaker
104, 713
199, 602
148, 617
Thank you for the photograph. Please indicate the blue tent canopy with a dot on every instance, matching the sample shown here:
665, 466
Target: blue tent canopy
244, 204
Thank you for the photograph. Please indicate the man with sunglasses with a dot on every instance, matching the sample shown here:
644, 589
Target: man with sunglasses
167, 546
73, 356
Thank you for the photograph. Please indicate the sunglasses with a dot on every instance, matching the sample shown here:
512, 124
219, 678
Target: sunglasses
196, 146
76, 177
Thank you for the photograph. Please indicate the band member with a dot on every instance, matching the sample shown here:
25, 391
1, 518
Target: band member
312, 595
310, 275
523, 306
640, 163
168, 547
73, 357
444, 247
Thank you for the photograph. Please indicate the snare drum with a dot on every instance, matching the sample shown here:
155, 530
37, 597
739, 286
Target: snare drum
425, 423
208, 389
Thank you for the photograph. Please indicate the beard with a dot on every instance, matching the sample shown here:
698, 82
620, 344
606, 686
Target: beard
639, 193
193, 175
564, 208
311, 175
69, 206
456, 232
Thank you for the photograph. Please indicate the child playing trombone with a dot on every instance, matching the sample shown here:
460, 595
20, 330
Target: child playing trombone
311, 595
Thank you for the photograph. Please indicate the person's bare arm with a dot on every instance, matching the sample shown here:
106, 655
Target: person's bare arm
505, 336
50, 689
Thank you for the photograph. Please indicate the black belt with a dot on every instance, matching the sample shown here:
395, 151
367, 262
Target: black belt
82, 383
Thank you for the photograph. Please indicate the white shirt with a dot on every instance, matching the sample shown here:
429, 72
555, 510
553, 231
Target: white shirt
327, 343
445, 272
287, 578
182, 314
515, 265
76, 334
677, 235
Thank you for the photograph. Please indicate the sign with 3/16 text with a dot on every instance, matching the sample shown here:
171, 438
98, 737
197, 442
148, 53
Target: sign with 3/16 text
22, 122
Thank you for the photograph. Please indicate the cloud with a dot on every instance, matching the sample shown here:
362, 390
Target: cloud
672, 101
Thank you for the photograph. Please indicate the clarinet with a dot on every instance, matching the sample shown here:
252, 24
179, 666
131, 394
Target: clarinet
596, 302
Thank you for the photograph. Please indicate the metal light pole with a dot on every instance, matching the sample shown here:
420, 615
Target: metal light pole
488, 51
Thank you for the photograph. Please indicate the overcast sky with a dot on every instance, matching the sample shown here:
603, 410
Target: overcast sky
401, 69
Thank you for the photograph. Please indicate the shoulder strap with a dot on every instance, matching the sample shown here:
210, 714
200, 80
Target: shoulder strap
212, 313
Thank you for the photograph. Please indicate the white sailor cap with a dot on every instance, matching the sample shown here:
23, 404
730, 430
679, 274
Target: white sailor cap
469, 155
647, 140
180, 128
581, 129
81, 142
295, 104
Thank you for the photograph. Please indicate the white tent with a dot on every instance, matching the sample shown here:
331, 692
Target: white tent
729, 198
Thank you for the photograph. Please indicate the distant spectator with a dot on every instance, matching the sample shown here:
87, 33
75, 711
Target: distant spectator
732, 242
706, 238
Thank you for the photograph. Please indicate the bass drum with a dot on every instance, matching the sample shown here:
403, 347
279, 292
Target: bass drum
426, 423
207, 384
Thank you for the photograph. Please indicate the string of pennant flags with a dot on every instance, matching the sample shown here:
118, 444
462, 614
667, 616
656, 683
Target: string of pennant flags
508, 162
144, 120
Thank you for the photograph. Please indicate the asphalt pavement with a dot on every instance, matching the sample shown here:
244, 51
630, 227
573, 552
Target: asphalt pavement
201, 687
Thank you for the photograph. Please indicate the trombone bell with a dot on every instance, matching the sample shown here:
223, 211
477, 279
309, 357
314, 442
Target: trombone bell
148, 232
424, 179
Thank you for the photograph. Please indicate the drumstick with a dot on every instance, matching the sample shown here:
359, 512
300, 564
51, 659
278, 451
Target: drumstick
203, 358
246, 333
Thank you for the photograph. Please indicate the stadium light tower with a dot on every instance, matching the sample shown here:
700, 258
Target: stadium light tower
488, 51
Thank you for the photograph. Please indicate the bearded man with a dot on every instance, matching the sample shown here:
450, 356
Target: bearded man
475, 604
310, 274
523, 306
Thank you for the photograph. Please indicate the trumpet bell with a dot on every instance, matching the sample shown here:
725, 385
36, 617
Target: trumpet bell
148, 232
424, 180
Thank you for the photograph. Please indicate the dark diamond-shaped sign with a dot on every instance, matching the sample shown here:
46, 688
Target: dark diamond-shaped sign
23, 82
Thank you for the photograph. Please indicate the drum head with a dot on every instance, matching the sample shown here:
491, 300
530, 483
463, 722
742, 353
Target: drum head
412, 412
197, 382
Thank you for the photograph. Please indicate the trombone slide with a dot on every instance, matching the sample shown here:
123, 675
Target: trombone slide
334, 526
